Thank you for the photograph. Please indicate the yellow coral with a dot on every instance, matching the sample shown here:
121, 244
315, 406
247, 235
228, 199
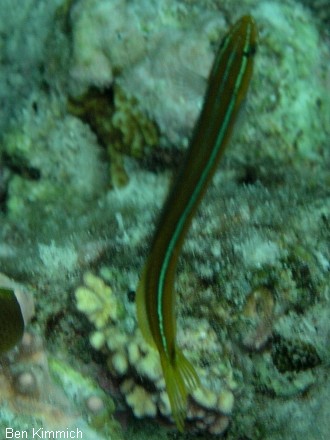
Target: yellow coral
97, 301
141, 402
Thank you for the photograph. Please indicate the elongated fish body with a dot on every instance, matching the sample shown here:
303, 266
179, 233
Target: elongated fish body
227, 88
11, 320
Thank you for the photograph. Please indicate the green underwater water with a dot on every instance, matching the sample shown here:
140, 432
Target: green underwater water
99, 101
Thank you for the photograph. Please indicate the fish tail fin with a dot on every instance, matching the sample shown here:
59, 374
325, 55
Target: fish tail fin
180, 379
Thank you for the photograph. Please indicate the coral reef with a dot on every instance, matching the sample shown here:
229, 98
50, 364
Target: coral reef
137, 365
253, 281
321, 11
44, 393
119, 125
102, 33
148, 44
33, 146
153, 54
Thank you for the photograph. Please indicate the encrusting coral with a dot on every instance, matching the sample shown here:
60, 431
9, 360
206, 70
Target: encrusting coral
137, 366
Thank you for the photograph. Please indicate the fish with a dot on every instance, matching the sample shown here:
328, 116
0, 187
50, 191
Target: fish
11, 320
155, 297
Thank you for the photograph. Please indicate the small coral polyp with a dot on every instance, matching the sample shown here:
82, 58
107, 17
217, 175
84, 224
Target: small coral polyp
137, 367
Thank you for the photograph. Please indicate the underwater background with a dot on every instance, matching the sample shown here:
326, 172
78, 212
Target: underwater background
99, 99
